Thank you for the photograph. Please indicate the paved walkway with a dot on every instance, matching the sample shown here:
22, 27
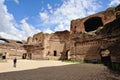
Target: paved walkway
57, 70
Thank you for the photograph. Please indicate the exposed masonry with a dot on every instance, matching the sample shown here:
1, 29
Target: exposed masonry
87, 37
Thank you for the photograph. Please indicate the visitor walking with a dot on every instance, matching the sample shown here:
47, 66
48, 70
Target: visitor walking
14, 61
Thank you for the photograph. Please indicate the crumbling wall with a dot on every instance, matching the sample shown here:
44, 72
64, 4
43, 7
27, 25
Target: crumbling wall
59, 45
11, 48
49, 46
79, 25
89, 37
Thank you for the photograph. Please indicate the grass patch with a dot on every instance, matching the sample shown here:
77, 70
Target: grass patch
116, 66
74, 61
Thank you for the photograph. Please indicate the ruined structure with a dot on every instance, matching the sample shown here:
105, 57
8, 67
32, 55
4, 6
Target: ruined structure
10, 49
91, 38
49, 46
96, 37
94, 34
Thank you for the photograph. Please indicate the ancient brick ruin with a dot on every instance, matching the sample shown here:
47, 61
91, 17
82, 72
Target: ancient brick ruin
95, 37
10, 49
49, 46
94, 34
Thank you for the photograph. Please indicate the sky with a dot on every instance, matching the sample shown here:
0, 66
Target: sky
23, 18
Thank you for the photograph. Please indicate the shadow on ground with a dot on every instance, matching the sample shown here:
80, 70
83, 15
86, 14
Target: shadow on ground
67, 72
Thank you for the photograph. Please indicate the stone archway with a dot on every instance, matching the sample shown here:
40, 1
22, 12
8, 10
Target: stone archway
105, 57
4, 40
93, 23
24, 56
67, 55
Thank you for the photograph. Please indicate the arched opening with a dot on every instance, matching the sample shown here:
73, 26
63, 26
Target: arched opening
4, 55
24, 56
93, 23
67, 55
4, 41
55, 53
105, 57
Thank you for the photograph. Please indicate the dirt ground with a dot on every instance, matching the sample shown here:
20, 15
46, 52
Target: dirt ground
55, 70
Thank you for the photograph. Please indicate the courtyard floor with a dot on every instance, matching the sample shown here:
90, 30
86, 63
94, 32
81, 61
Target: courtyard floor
54, 70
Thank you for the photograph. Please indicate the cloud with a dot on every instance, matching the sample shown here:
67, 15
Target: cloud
10, 29
43, 15
27, 29
70, 9
51, 19
114, 2
47, 30
49, 6
16, 1
7, 22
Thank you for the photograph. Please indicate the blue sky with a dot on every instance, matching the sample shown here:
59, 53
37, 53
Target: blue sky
23, 18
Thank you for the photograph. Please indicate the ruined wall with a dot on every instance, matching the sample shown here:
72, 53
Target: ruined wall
78, 26
11, 48
59, 45
29, 40
86, 51
87, 41
38, 38
48, 46
46, 50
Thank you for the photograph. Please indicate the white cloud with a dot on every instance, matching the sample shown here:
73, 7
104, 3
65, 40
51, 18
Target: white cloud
114, 2
16, 1
48, 30
9, 28
49, 6
52, 19
7, 22
70, 9
28, 29
43, 15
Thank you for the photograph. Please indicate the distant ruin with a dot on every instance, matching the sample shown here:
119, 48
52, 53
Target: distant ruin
49, 46
90, 38
10, 49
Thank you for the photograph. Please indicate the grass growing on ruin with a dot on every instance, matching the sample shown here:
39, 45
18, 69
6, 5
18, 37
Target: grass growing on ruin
74, 61
116, 66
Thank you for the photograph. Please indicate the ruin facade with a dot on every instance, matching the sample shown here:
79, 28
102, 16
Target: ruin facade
10, 49
88, 39
95, 37
49, 46
94, 33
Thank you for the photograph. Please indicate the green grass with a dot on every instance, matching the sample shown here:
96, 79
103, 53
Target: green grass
74, 61
116, 66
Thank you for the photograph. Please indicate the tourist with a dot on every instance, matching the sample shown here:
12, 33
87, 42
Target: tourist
14, 61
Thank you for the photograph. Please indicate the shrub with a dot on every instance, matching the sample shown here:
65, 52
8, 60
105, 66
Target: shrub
0, 54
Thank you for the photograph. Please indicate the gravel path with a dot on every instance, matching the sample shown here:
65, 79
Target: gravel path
63, 72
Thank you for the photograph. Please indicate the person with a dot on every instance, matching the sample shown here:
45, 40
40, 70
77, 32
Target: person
14, 61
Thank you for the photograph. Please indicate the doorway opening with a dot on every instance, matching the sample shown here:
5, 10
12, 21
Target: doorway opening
55, 53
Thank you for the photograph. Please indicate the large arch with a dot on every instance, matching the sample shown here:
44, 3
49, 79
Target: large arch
93, 23
4, 40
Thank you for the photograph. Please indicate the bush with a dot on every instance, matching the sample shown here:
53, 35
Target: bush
116, 66
0, 54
